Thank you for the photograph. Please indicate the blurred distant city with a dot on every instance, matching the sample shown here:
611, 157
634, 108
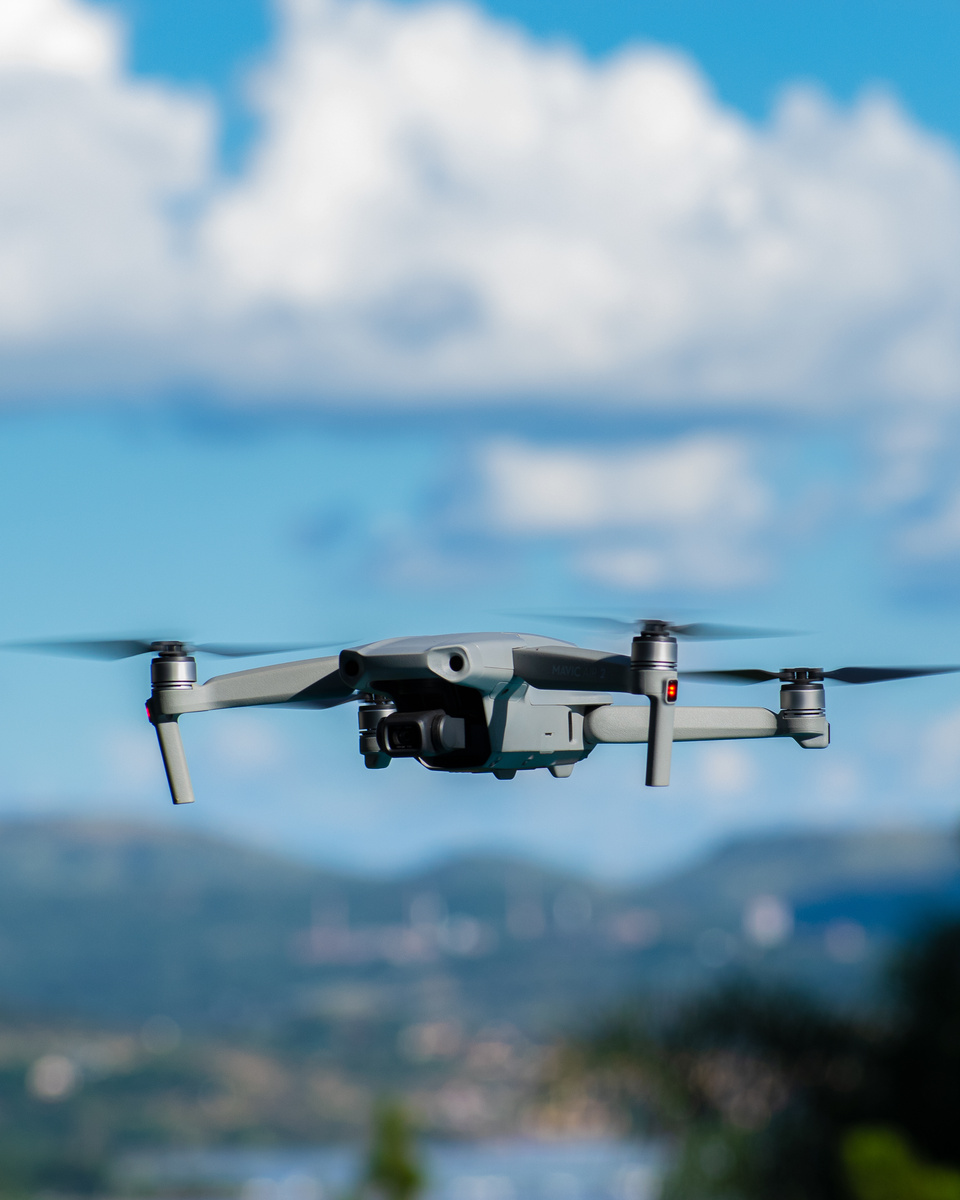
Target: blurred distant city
173, 990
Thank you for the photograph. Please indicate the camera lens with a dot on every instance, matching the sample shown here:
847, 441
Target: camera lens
456, 662
405, 735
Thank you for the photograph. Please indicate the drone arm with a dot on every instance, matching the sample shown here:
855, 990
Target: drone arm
310, 683
631, 723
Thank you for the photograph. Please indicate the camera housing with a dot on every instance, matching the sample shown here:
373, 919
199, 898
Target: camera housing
421, 734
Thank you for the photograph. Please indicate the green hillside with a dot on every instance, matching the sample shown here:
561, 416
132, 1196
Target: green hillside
118, 923
163, 988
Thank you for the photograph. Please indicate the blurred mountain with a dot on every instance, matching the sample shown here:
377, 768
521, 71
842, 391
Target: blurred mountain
121, 923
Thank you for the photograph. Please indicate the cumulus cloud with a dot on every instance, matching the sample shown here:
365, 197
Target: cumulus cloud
442, 207
684, 512
95, 286
536, 489
57, 36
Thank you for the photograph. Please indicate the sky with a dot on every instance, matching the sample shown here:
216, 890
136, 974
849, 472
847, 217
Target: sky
343, 319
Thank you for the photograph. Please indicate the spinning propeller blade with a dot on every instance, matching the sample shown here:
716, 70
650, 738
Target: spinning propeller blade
117, 648
705, 631
109, 649
740, 677
226, 650
882, 674
841, 675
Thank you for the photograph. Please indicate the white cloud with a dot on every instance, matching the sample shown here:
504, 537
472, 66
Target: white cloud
685, 512
94, 286
442, 206
726, 770
536, 489
632, 568
57, 36
696, 562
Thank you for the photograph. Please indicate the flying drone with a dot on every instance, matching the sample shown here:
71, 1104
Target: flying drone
494, 703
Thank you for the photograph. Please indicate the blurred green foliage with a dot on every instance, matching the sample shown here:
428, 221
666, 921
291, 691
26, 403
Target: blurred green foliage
714, 1160
769, 1094
880, 1165
393, 1169
42, 1167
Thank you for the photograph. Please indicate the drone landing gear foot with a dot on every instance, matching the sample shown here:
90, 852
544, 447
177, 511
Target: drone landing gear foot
376, 762
561, 770
504, 774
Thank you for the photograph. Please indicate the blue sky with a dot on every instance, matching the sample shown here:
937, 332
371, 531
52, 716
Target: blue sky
749, 48
262, 381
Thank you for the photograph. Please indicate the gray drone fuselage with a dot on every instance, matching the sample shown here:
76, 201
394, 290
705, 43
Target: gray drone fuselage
483, 702
500, 723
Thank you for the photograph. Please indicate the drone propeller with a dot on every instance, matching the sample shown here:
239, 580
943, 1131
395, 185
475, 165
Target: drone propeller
117, 648
841, 675
705, 631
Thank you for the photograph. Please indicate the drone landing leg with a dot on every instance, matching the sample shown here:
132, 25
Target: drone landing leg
174, 759
660, 745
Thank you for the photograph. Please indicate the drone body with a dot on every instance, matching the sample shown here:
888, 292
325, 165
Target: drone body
484, 702
494, 703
